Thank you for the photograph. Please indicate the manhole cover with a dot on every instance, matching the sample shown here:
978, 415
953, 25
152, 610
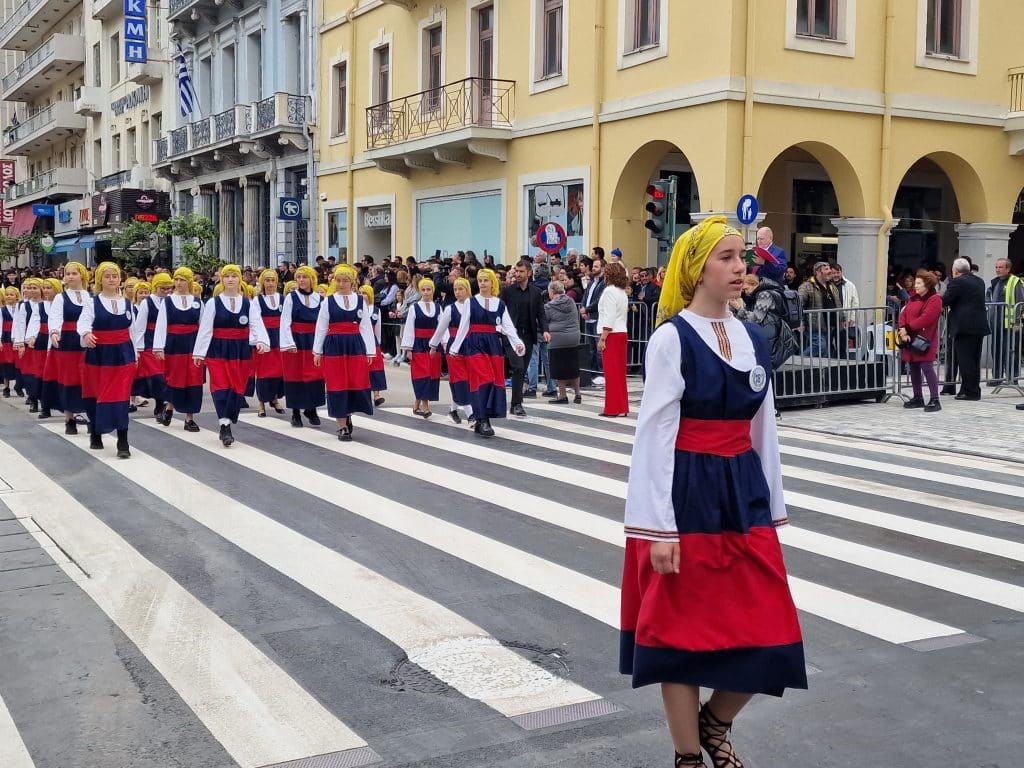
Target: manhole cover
548, 666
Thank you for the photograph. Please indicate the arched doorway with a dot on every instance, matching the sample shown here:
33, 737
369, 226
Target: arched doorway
654, 160
1016, 248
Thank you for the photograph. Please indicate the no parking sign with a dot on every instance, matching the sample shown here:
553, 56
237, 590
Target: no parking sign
551, 237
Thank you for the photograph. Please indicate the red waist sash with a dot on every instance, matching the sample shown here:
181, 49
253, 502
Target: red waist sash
727, 437
69, 327
303, 327
112, 337
347, 326
181, 329
271, 323
44, 328
232, 334
424, 333
480, 328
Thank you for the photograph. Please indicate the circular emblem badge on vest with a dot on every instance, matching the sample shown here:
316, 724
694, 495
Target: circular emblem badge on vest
242, 319
195, 304
758, 378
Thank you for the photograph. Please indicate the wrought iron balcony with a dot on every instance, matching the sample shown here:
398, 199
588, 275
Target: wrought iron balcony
113, 181
190, 10
51, 61
32, 22
56, 184
262, 128
442, 125
44, 129
1014, 125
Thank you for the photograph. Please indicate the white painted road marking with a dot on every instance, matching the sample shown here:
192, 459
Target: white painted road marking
13, 752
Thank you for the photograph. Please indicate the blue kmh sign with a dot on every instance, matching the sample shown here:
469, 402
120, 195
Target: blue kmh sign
135, 49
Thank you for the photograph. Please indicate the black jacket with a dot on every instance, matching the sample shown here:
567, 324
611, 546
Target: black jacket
591, 297
526, 308
965, 297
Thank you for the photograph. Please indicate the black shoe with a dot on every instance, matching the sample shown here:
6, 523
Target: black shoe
948, 391
96, 442
296, 418
578, 399
225, 435
484, 429
191, 426
165, 417
311, 417
70, 427
277, 407
19, 391
914, 402
158, 410
345, 434
517, 410
1020, 406
551, 394
122, 444
714, 739
378, 401
693, 760
132, 408
560, 401
454, 415
7, 391
530, 393
962, 396
933, 406
33, 406
348, 425
45, 413
245, 403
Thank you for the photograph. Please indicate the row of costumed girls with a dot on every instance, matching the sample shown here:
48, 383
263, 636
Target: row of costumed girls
94, 354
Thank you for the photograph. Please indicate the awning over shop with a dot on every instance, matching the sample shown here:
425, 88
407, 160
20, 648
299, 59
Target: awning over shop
87, 241
24, 220
66, 244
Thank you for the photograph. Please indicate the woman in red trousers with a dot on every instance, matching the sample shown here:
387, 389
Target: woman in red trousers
611, 324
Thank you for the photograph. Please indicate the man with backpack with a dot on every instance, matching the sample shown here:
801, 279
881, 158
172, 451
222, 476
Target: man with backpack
770, 308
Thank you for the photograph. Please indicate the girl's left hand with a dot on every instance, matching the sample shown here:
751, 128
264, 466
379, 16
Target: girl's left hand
601, 344
260, 349
317, 359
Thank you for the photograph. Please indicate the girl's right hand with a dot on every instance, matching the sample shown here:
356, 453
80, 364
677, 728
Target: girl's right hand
665, 557
89, 341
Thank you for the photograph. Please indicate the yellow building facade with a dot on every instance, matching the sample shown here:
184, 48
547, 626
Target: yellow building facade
878, 132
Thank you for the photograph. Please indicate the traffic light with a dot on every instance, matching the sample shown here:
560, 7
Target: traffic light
661, 209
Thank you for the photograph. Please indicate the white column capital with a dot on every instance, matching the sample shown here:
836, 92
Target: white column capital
853, 226
985, 231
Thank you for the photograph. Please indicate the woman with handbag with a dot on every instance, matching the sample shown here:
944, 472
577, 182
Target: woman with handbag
918, 336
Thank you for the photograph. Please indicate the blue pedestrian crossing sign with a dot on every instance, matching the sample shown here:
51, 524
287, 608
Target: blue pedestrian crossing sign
747, 210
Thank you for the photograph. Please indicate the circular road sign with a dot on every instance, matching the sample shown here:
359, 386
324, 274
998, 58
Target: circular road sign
551, 237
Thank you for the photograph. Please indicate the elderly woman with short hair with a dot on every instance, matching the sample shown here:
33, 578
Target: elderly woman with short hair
563, 337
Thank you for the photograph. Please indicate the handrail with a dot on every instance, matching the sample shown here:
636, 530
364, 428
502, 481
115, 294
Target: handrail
29, 63
30, 126
17, 18
1016, 78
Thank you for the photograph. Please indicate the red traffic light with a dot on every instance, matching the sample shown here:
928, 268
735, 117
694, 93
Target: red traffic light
655, 191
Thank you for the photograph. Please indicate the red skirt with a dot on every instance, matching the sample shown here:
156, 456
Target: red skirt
616, 396
269, 365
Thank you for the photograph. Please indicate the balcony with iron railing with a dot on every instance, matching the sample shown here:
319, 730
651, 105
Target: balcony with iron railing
55, 185
1014, 125
44, 129
446, 125
263, 128
31, 23
190, 10
54, 59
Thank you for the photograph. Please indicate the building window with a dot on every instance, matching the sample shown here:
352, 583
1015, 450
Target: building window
944, 26
340, 121
97, 66
382, 74
434, 72
817, 18
130, 146
484, 64
115, 154
337, 235
115, 59
646, 24
552, 39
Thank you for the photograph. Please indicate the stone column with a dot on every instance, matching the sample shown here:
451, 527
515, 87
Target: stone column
858, 253
227, 222
251, 221
984, 244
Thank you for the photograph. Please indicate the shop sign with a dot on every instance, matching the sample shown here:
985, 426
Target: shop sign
377, 218
150, 218
41, 209
8, 168
46, 243
135, 32
136, 98
145, 202
85, 217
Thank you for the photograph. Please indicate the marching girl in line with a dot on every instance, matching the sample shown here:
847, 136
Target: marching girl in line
141, 291
32, 350
378, 376
49, 396
105, 328
174, 339
425, 369
129, 291
268, 366
8, 370
458, 377
290, 286
20, 312
479, 341
705, 600
223, 346
149, 378
303, 381
344, 347
66, 356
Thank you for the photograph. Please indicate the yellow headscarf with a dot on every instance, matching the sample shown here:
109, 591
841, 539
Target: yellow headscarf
346, 269
367, 291
325, 290
184, 273
31, 282
249, 290
17, 293
56, 284
465, 284
196, 289
75, 266
161, 280
689, 255
495, 282
103, 268
218, 289
266, 274
290, 286
422, 280
136, 299
305, 269
230, 269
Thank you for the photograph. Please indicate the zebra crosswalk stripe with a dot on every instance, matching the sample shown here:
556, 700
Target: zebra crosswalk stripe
433, 637
13, 752
251, 706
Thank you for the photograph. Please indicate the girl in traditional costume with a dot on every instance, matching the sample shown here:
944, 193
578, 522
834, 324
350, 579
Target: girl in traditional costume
8, 367
174, 339
303, 381
705, 601
150, 380
425, 368
32, 350
378, 376
67, 356
458, 376
268, 368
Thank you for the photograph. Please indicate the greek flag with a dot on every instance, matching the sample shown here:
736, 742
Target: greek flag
188, 103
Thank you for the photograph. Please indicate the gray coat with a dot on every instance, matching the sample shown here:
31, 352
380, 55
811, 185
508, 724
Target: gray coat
563, 322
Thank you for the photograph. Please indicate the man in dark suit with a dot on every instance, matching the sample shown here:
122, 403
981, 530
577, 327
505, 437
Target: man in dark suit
588, 308
525, 304
968, 326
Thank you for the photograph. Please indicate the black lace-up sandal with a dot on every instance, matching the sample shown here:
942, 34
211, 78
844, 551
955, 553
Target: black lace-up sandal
689, 760
714, 739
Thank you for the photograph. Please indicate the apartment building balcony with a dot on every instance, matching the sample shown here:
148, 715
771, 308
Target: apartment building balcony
90, 100
1014, 126
44, 129
152, 71
52, 61
264, 129
107, 9
55, 185
190, 11
32, 22
136, 177
406, 4
449, 125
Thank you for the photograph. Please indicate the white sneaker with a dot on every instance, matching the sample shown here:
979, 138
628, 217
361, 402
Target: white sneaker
598, 381
389, 358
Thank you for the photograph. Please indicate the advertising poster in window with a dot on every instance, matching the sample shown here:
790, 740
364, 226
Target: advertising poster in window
559, 202
7, 171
